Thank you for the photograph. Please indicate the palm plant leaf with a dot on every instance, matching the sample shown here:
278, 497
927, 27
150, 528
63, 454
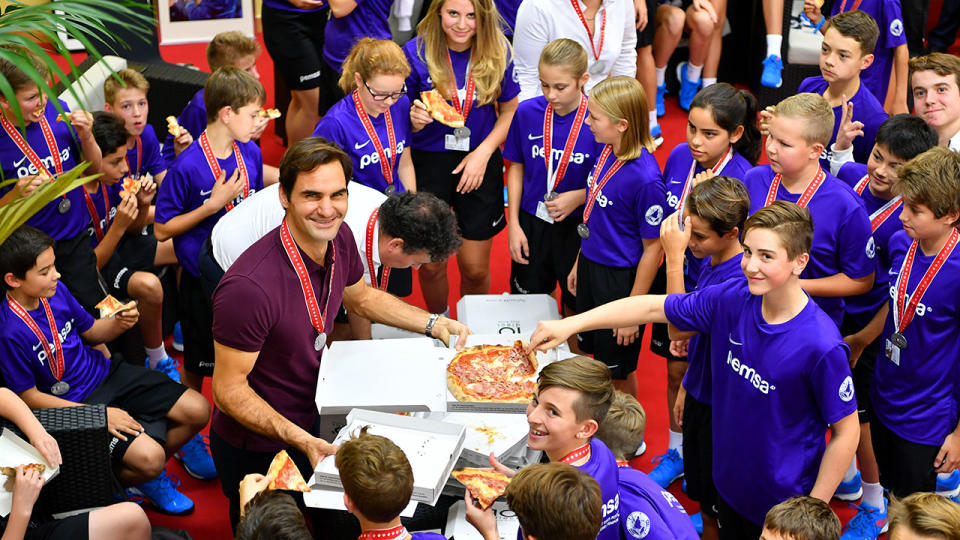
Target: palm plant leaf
18, 212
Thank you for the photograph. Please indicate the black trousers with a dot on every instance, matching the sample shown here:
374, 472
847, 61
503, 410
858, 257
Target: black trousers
905, 467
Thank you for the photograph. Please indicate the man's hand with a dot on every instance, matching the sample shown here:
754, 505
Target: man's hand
565, 204
484, 521
119, 422
674, 239
848, 130
317, 449
444, 327
948, 458
252, 484
26, 489
550, 334
224, 192
626, 335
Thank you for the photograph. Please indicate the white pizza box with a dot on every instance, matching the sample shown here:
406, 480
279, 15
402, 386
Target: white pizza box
458, 528
453, 405
332, 499
382, 331
431, 447
501, 434
506, 313
16, 451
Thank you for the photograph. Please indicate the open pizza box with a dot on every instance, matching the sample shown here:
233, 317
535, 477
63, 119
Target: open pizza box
502, 434
332, 499
16, 451
516, 314
432, 448
458, 528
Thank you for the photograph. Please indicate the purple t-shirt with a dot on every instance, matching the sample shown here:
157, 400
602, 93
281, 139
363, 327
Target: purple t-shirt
427, 536
193, 118
627, 210
150, 159
917, 400
25, 363
259, 307
188, 184
781, 386
342, 125
368, 19
524, 145
863, 307
841, 231
16, 165
649, 511
888, 17
697, 379
481, 118
602, 467
103, 209
508, 10
287, 6
866, 109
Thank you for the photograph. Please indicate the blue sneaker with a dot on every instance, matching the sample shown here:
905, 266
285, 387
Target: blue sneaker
656, 133
849, 490
162, 492
772, 66
697, 520
168, 366
661, 108
642, 449
195, 458
867, 524
688, 89
669, 468
950, 486
177, 337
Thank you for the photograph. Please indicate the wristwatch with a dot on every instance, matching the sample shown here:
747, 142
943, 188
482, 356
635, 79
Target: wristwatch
428, 331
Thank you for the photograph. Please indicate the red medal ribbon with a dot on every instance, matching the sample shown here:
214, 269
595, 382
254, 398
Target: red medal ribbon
384, 534
622, 464
808, 193
464, 109
21, 143
313, 308
603, 25
716, 169
577, 454
843, 6
382, 285
597, 186
878, 217
136, 175
567, 148
54, 357
386, 162
903, 312
94, 217
215, 166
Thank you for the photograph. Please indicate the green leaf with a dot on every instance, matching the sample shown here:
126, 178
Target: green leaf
15, 214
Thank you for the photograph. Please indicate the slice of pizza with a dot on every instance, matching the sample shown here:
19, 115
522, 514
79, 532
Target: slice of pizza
12, 471
285, 474
270, 114
110, 306
441, 111
485, 486
129, 187
173, 127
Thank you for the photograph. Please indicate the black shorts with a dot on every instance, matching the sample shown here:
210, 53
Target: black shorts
863, 371
330, 92
645, 36
294, 40
598, 284
659, 332
480, 214
145, 394
698, 455
733, 526
134, 253
77, 264
553, 250
196, 322
905, 467
69, 528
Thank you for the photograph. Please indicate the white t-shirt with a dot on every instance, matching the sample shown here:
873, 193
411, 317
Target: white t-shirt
259, 214
541, 21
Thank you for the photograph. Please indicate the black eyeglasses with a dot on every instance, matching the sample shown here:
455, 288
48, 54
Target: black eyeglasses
384, 97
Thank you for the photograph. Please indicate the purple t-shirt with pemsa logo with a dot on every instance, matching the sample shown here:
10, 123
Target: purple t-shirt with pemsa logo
16, 165
259, 307
627, 210
150, 159
103, 209
887, 15
917, 400
525, 145
25, 363
368, 19
342, 126
841, 231
193, 118
697, 379
481, 118
188, 184
778, 387
649, 511
866, 109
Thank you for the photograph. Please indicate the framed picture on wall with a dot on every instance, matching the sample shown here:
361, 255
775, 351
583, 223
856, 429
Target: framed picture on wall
193, 21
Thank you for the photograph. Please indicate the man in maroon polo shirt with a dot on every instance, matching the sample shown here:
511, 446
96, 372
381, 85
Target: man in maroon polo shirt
272, 312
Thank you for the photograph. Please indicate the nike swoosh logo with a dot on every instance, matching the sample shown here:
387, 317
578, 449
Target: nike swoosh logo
205, 193
357, 146
497, 222
734, 342
893, 272
676, 182
532, 138
17, 163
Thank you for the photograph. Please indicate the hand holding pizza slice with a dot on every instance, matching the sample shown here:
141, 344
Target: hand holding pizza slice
130, 187
285, 475
173, 127
110, 306
485, 486
442, 111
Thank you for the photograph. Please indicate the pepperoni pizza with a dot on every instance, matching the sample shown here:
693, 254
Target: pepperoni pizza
493, 373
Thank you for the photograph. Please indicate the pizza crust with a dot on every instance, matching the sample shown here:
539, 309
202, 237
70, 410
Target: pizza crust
442, 111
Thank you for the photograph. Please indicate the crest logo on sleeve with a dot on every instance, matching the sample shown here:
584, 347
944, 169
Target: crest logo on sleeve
638, 524
846, 389
871, 248
896, 27
654, 215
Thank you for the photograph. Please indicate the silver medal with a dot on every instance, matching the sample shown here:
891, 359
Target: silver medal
391, 189
64, 206
461, 132
320, 341
899, 340
583, 230
59, 388
598, 67
550, 196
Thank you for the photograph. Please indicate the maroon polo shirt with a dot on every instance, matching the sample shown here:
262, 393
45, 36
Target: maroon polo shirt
259, 307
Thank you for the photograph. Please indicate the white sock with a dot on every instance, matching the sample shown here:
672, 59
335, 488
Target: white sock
676, 442
693, 72
773, 44
873, 495
707, 81
653, 118
851, 471
156, 355
661, 75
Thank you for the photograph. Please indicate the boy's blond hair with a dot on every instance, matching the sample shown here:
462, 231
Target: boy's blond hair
942, 64
556, 501
816, 113
376, 474
128, 78
371, 57
589, 377
791, 223
623, 98
231, 87
803, 518
228, 47
925, 514
933, 180
622, 429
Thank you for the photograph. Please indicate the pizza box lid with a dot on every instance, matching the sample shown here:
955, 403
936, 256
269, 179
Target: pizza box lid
432, 448
458, 528
415, 369
332, 499
453, 405
16, 451
506, 313
501, 434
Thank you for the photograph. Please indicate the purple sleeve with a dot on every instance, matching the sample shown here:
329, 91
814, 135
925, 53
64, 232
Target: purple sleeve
512, 149
330, 129
17, 375
891, 25
641, 519
806, 85
694, 311
194, 119
80, 316
851, 172
832, 385
651, 207
152, 160
510, 85
242, 314
853, 238
171, 197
